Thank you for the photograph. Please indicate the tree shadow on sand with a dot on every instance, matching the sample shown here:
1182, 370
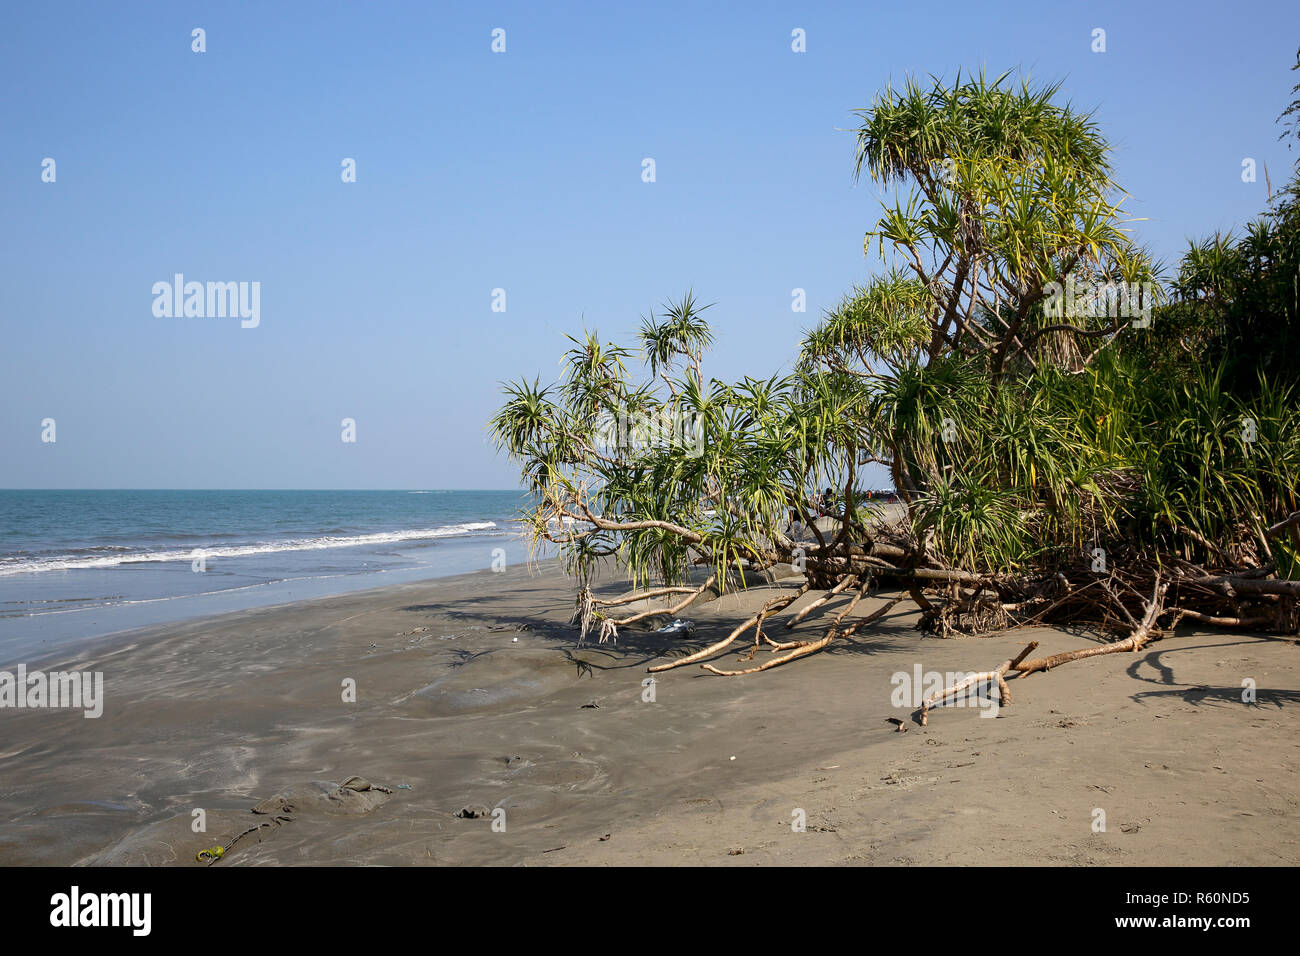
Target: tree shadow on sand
1198, 694
1224, 696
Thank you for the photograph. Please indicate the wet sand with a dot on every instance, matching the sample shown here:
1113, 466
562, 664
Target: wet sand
452, 712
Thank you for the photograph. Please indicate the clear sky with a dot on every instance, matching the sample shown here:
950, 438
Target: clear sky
478, 170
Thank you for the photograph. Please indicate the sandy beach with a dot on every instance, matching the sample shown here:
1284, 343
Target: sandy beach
473, 694
680, 435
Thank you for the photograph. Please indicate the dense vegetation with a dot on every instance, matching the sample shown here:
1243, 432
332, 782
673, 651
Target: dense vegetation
1074, 439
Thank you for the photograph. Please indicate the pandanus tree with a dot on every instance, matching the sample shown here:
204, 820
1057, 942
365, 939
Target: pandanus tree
670, 471
984, 369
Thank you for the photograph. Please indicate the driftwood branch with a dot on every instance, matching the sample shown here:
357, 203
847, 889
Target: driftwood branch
775, 604
1134, 642
821, 601
804, 648
998, 674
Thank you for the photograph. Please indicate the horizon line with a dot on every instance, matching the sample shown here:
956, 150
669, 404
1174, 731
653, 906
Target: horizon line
258, 489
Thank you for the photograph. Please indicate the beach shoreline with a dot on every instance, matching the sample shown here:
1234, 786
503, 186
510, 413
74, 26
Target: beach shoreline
472, 696
78, 565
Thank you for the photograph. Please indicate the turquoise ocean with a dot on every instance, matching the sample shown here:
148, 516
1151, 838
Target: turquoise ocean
76, 565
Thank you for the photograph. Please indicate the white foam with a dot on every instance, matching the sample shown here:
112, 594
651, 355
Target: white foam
240, 550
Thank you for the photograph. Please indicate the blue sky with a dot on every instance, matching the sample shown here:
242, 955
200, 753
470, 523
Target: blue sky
478, 171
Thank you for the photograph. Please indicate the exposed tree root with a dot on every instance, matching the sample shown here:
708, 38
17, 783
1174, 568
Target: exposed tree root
804, 648
821, 601
1128, 599
1144, 631
775, 604
759, 637
646, 595
997, 674
979, 611
588, 612
803, 651
916, 595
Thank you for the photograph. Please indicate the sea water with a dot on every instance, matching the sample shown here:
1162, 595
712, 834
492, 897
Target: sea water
75, 565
